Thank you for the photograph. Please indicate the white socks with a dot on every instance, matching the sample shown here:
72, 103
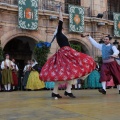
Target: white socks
7, 87
104, 85
118, 86
55, 90
13, 87
68, 89
77, 86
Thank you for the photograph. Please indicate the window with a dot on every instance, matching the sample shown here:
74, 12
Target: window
73, 2
113, 6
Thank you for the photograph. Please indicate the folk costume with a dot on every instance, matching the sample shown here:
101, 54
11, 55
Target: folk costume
49, 85
26, 71
34, 83
15, 75
66, 64
7, 80
109, 67
110, 83
93, 80
0, 79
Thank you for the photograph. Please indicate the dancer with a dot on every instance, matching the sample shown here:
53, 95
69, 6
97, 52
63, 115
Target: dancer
66, 64
6, 67
26, 71
109, 66
0, 79
78, 84
34, 83
93, 79
14, 74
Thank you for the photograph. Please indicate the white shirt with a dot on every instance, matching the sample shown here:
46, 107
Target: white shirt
99, 46
26, 68
15, 67
8, 62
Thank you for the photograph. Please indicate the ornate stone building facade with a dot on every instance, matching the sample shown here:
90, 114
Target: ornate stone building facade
20, 43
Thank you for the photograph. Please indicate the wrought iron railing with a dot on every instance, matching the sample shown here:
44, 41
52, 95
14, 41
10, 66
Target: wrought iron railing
9, 2
108, 15
50, 5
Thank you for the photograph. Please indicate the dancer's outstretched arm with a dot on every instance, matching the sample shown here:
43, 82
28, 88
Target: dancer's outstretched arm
94, 43
59, 27
60, 24
60, 14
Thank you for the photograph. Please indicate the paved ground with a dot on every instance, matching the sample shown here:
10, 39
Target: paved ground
38, 105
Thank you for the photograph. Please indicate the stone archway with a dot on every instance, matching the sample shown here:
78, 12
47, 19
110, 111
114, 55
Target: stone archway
21, 49
5, 38
85, 48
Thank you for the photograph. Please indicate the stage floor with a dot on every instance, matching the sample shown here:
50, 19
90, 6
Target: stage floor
38, 105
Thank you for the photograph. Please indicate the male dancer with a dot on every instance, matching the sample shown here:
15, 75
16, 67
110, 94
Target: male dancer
109, 67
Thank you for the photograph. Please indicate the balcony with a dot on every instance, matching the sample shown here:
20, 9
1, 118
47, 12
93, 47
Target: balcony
50, 5
9, 2
108, 15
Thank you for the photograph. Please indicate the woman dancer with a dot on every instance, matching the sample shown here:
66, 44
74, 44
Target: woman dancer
65, 65
34, 83
26, 71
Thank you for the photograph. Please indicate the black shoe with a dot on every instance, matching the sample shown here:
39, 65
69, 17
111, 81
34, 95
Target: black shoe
56, 95
119, 91
69, 94
9, 91
102, 91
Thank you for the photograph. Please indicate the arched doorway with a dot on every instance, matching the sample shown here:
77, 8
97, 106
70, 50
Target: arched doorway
21, 49
83, 47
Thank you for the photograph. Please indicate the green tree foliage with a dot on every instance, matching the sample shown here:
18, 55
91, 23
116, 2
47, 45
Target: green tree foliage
77, 47
1, 54
99, 60
41, 53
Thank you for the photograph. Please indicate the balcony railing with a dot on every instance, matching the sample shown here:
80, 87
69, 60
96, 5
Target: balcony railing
10, 2
50, 5
108, 15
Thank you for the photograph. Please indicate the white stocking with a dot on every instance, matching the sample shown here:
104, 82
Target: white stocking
118, 86
55, 90
9, 86
75, 85
5, 87
79, 85
104, 85
68, 89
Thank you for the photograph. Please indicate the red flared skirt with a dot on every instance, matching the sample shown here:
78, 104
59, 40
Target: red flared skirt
15, 79
67, 64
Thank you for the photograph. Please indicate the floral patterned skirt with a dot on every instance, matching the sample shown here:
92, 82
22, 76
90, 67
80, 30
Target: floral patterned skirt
67, 64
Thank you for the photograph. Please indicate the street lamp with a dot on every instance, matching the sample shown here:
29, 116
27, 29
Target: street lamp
101, 41
116, 43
